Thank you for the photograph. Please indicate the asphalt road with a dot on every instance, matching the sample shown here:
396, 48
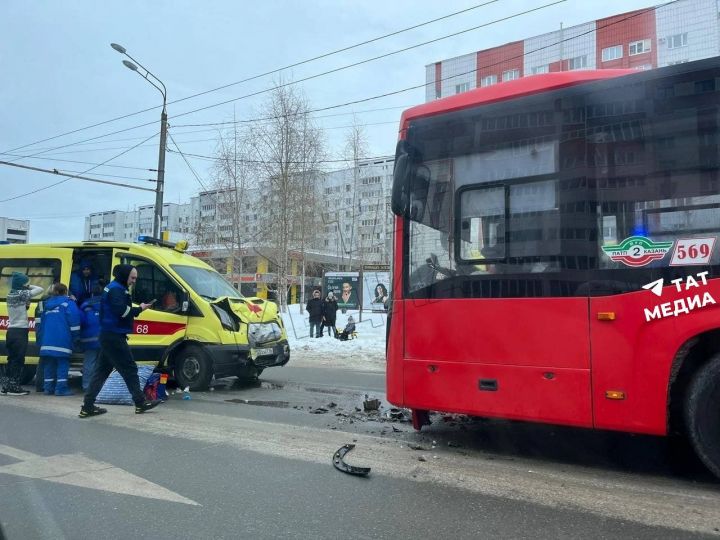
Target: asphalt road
254, 461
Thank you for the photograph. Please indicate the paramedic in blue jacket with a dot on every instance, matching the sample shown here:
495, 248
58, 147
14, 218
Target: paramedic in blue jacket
90, 332
116, 322
82, 282
60, 328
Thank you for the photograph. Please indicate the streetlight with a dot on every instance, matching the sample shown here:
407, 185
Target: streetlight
133, 65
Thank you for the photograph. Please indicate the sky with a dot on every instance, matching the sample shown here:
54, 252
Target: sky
58, 73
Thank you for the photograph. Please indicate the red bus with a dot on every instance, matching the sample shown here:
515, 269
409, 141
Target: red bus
556, 253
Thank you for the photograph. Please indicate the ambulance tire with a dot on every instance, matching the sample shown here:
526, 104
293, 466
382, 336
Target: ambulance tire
702, 414
193, 368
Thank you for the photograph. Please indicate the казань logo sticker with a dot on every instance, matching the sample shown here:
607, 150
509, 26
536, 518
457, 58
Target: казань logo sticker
637, 251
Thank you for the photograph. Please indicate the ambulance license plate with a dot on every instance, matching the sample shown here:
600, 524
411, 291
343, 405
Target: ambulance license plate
262, 352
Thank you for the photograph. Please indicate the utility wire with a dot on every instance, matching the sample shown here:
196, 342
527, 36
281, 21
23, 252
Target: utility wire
271, 72
191, 141
78, 176
212, 158
192, 170
317, 75
69, 176
89, 163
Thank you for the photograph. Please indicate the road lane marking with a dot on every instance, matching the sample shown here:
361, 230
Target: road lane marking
81, 471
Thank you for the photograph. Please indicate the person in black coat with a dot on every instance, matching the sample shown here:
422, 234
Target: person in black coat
330, 307
314, 309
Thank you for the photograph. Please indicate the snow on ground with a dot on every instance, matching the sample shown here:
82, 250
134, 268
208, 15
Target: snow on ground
365, 352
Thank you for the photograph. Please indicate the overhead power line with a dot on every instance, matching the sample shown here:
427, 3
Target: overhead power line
69, 176
264, 74
317, 75
78, 176
190, 141
214, 158
90, 163
192, 170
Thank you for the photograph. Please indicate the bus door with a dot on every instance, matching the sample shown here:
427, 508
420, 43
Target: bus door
165, 323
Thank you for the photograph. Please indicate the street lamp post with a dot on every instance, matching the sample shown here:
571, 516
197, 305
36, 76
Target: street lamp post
160, 186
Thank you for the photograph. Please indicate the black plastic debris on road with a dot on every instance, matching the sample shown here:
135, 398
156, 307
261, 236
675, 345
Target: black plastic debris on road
371, 404
340, 465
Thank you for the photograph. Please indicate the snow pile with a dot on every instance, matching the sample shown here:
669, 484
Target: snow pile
366, 351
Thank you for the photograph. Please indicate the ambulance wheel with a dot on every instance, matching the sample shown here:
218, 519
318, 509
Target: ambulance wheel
193, 368
702, 414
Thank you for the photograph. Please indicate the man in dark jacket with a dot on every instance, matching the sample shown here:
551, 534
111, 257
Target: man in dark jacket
330, 307
315, 311
116, 322
82, 282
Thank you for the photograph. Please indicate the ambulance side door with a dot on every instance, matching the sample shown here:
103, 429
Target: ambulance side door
165, 323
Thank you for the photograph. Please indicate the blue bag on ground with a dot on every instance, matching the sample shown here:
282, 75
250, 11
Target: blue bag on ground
115, 391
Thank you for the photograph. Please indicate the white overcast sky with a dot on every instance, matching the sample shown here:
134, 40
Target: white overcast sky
58, 73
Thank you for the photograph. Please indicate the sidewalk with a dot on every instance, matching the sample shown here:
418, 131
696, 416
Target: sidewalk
366, 352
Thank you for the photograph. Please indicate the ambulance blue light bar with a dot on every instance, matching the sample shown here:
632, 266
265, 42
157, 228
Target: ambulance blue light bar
177, 246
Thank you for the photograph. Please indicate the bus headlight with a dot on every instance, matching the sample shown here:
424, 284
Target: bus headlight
263, 332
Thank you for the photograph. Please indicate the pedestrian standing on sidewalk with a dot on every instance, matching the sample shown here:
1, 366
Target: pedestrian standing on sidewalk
330, 308
16, 339
116, 322
60, 329
90, 332
315, 311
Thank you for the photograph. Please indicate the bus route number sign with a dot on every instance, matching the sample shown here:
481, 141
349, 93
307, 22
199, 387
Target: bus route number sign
690, 251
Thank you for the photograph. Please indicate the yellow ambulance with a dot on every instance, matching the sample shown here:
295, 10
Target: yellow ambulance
199, 325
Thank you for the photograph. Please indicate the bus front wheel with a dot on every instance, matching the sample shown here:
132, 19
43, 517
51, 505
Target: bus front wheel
193, 368
702, 414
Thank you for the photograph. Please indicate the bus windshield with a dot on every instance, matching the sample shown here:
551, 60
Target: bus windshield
573, 192
206, 283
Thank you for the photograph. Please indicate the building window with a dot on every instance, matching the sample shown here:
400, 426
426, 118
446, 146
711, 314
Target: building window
579, 62
676, 41
540, 69
639, 47
510, 75
644, 67
612, 53
460, 88
488, 80
676, 62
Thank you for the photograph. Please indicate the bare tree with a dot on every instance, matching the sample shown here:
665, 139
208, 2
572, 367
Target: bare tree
288, 148
356, 146
233, 175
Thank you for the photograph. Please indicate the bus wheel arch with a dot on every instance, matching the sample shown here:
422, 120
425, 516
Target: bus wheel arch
689, 358
192, 366
702, 413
